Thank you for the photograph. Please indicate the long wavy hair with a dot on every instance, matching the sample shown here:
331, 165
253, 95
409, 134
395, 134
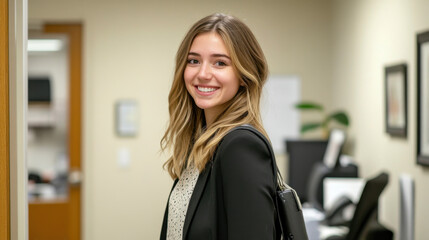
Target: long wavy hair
187, 136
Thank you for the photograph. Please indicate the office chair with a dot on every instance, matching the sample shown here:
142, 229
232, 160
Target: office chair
330, 167
364, 224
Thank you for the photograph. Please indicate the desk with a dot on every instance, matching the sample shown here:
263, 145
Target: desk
317, 231
334, 188
312, 218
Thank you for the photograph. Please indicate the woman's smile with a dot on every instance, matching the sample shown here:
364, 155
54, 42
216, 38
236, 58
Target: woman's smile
206, 91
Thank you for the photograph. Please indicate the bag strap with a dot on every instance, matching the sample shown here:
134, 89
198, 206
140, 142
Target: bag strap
278, 181
277, 175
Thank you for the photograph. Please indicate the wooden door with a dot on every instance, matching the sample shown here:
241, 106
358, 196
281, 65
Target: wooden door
4, 122
61, 219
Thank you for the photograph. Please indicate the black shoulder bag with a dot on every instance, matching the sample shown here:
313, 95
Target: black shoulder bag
289, 209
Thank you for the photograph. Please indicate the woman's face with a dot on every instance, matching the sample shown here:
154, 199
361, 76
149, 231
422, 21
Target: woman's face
209, 75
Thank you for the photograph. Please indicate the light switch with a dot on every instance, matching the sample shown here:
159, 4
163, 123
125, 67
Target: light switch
124, 158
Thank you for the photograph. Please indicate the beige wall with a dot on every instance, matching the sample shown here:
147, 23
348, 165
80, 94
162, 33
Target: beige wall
129, 53
368, 35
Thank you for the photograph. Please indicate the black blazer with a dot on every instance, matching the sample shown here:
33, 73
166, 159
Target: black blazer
234, 197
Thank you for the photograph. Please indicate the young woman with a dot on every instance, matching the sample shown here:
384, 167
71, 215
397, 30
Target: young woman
224, 181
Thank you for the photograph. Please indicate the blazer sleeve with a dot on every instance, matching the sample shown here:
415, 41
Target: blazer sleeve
247, 186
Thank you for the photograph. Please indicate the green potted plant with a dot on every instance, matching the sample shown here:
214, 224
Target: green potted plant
339, 117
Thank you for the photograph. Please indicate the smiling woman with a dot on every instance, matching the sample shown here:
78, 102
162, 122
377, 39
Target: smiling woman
220, 72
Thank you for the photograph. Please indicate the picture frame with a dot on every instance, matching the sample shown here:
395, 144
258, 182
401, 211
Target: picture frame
396, 100
423, 98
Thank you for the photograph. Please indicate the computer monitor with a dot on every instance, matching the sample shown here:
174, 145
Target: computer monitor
337, 137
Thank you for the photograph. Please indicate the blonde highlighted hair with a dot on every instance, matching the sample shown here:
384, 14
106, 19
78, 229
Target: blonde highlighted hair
185, 136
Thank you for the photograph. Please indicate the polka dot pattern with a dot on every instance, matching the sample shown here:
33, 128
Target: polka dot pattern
179, 201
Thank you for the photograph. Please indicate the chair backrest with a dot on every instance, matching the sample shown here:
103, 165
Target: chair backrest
367, 205
406, 187
337, 137
327, 168
315, 185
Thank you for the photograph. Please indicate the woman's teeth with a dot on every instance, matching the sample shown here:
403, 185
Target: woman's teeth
206, 89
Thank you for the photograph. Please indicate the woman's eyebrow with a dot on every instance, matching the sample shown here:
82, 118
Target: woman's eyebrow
221, 55
194, 54
213, 55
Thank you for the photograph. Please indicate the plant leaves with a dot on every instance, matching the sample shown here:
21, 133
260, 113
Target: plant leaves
310, 126
340, 117
309, 106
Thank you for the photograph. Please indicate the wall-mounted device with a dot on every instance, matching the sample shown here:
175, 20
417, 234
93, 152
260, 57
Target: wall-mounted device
127, 118
40, 113
39, 89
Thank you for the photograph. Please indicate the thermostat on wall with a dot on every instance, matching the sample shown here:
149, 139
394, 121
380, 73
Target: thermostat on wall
127, 118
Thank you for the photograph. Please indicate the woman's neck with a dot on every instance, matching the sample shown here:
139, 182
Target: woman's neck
211, 115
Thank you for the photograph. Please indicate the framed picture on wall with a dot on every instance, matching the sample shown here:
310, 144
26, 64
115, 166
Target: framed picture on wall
396, 100
423, 98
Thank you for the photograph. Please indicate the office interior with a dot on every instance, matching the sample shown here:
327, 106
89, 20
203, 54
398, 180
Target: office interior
338, 49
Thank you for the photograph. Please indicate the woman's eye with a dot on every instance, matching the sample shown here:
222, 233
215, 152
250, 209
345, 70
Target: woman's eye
192, 61
220, 63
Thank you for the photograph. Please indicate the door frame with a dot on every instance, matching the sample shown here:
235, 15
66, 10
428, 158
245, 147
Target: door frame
17, 46
4, 122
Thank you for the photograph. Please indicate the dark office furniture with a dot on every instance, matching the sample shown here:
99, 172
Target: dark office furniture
310, 162
315, 183
303, 154
364, 224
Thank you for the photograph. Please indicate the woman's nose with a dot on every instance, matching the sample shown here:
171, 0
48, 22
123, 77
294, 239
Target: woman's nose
205, 72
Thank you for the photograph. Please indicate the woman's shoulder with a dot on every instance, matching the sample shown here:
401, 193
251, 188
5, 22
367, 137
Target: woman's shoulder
242, 154
245, 133
241, 134
239, 140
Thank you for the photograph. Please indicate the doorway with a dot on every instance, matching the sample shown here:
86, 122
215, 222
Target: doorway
54, 132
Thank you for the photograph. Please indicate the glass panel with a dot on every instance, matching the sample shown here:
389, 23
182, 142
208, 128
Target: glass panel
48, 108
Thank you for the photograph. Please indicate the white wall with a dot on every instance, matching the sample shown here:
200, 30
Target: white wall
129, 49
367, 36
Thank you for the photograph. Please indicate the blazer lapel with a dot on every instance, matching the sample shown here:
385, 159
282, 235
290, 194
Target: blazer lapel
195, 198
